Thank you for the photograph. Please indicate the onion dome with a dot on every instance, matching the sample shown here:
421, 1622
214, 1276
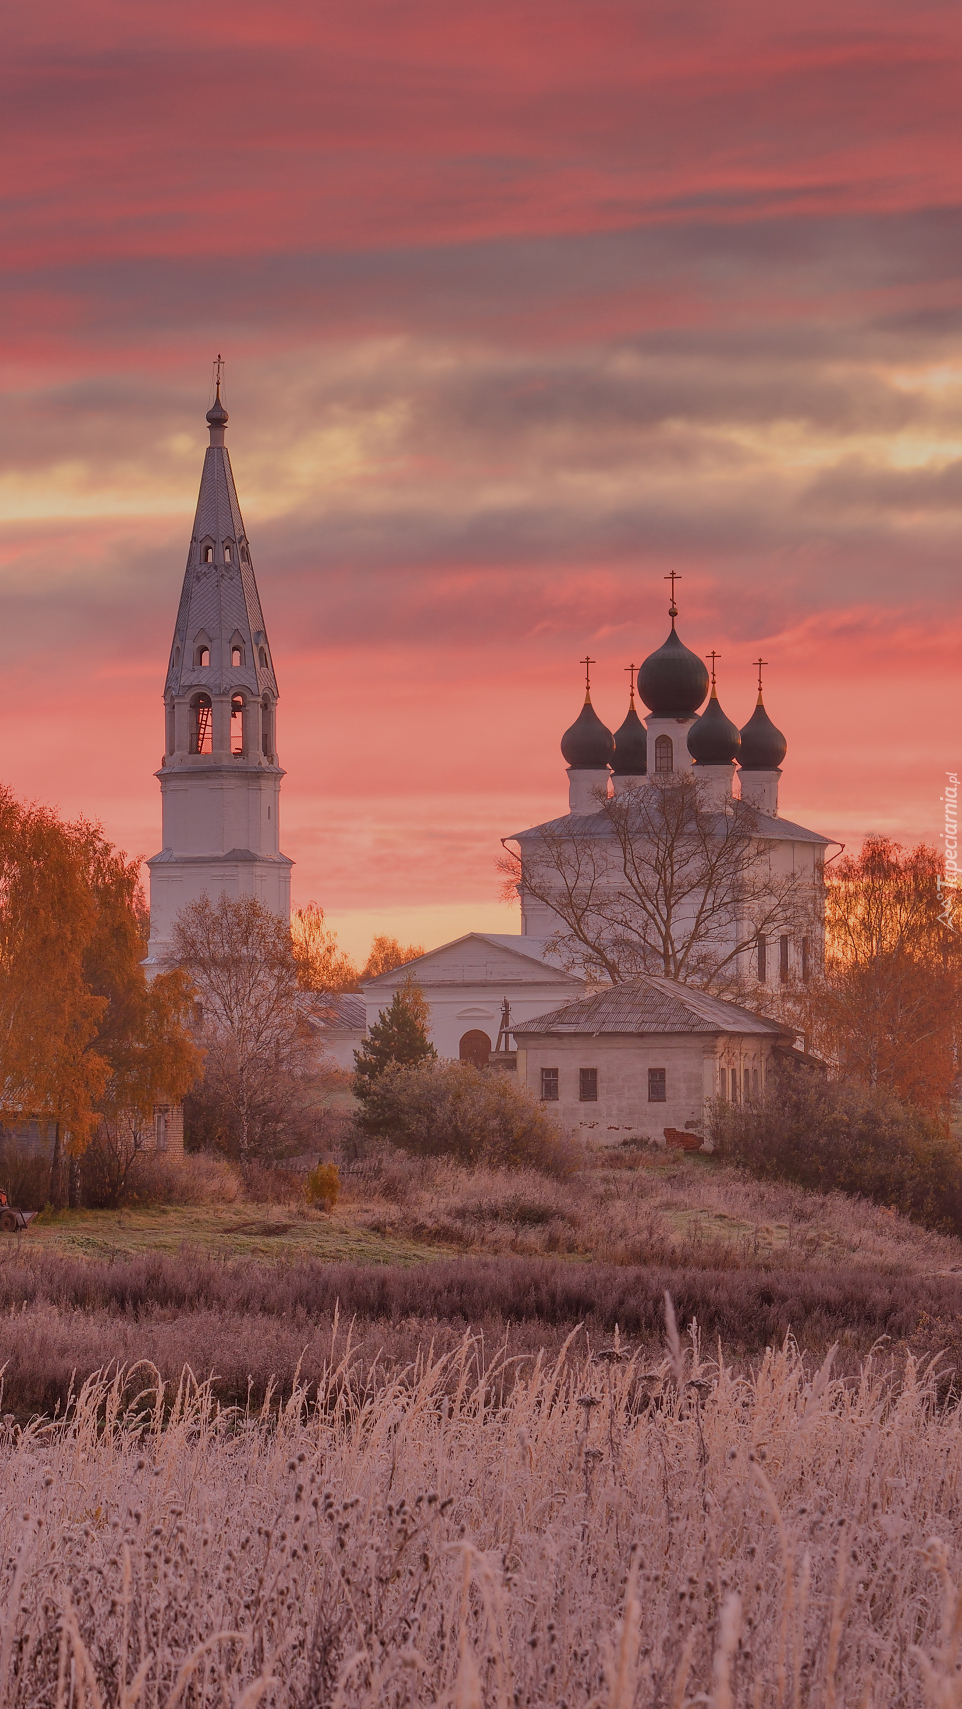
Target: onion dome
631, 746
763, 747
673, 682
217, 414
713, 739
589, 744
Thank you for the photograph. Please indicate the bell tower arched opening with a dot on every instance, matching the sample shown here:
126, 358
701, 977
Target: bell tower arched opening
237, 711
201, 725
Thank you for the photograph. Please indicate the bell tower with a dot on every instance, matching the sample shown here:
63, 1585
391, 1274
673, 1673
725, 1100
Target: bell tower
219, 777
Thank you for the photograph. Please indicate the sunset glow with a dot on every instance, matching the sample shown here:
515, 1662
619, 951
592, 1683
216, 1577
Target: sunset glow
522, 308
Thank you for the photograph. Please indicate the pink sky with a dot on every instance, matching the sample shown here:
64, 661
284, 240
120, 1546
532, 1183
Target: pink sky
523, 306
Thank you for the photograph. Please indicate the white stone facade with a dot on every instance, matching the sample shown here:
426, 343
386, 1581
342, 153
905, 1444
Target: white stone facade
466, 982
624, 1111
219, 777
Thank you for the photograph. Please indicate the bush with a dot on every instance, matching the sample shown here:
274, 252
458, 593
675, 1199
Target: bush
323, 1186
831, 1135
450, 1109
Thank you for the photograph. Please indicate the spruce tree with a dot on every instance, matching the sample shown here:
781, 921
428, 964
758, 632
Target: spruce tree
399, 1037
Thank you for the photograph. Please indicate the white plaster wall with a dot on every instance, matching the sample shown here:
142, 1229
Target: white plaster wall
692, 1064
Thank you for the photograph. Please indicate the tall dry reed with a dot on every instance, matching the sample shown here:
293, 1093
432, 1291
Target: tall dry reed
610, 1534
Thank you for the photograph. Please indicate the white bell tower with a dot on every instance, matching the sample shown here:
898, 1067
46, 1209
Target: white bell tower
219, 777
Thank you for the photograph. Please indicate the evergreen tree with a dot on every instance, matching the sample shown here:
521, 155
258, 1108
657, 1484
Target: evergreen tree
399, 1037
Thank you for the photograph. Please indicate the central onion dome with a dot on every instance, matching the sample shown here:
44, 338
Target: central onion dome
763, 747
631, 746
713, 739
673, 682
589, 744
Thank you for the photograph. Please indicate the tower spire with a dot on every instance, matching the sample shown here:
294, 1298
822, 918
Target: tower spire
219, 777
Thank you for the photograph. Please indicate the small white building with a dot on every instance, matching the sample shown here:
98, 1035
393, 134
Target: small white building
644, 1060
466, 984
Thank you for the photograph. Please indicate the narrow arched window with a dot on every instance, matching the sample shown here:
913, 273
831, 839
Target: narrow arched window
201, 731
202, 656
237, 724
664, 754
263, 658
267, 729
226, 554
237, 655
208, 554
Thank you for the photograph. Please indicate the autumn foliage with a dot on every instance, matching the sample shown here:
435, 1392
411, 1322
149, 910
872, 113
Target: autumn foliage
82, 1033
886, 1013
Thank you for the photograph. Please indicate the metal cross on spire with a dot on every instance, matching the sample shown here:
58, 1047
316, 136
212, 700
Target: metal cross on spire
218, 371
587, 664
673, 609
713, 656
632, 669
759, 663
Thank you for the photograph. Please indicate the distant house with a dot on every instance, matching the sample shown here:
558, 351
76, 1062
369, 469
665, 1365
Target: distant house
466, 983
337, 1022
643, 1060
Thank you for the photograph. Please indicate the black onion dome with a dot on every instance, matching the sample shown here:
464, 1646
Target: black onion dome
673, 682
631, 747
713, 739
217, 414
589, 744
763, 747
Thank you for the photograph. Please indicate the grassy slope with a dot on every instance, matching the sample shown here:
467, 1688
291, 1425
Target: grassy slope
663, 1210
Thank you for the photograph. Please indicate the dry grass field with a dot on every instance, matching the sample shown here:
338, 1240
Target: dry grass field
606, 1532
441, 1448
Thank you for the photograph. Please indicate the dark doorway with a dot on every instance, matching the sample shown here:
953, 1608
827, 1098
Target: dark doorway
475, 1047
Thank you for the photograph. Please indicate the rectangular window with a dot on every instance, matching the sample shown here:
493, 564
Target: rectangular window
734, 1085
723, 1085
806, 959
160, 1130
588, 1085
761, 951
549, 1085
783, 960
657, 1089
747, 1080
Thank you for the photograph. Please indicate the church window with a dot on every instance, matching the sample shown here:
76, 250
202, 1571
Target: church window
754, 1082
176, 657
783, 968
748, 1084
664, 754
160, 1129
761, 955
237, 655
657, 1083
588, 1085
170, 727
208, 554
201, 731
237, 724
202, 654
723, 1084
549, 1085
226, 554
806, 959
263, 658
734, 1079
267, 729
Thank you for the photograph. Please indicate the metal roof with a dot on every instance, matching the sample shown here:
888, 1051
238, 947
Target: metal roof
333, 1011
649, 1005
590, 826
531, 949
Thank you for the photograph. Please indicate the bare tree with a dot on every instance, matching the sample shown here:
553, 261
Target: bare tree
257, 1097
662, 881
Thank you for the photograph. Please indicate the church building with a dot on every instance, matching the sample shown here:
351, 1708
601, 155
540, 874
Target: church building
220, 779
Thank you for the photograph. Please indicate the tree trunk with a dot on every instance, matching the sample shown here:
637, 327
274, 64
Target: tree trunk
73, 1183
56, 1168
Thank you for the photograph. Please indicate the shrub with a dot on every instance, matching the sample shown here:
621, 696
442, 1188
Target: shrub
831, 1135
450, 1109
323, 1185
